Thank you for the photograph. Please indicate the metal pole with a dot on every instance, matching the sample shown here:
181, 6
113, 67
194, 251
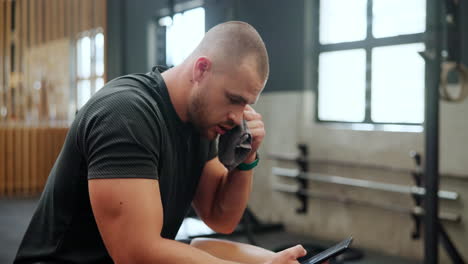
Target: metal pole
431, 129
374, 185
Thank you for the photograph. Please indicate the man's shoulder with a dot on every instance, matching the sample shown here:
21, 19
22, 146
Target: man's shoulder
137, 86
123, 98
121, 103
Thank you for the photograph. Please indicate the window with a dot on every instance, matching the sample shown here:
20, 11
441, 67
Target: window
179, 35
369, 69
90, 65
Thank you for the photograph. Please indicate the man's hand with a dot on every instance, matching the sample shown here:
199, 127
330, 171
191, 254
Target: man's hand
257, 128
288, 256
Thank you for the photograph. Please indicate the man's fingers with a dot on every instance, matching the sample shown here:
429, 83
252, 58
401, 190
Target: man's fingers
293, 253
256, 132
249, 108
289, 256
250, 115
298, 251
255, 124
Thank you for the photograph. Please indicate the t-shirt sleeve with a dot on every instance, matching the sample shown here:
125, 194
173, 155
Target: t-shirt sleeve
119, 136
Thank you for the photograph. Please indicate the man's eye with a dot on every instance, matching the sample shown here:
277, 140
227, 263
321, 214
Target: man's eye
234, 100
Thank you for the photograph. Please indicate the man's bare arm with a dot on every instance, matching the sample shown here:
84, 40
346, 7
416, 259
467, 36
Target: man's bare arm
129, 216
221, 197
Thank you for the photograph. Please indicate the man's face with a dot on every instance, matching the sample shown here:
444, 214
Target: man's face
217, 102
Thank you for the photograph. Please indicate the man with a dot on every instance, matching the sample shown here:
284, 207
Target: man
142, 150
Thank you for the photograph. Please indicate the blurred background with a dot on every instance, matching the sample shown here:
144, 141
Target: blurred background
345, 110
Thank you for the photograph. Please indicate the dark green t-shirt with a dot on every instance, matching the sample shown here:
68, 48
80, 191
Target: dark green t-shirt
129, 129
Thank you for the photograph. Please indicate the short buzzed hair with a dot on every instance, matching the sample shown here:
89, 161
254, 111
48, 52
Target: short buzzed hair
232, 42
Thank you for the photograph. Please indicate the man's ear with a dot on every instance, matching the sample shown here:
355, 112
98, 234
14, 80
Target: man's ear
201, 68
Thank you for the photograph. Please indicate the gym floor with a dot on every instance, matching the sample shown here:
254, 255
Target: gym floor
14, 218
15, 215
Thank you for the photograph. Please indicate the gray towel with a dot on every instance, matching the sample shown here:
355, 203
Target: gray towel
235, 146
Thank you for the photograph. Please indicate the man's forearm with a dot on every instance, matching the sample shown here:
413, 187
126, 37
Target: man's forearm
170, 251
232, 197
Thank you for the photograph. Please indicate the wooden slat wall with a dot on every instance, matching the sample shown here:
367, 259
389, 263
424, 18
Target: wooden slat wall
48, 27
31, 41
60, 13
2, 61
28, 156
6, 57
9, 159
18, 43
76, 17
24, 63
26, 161
2, 163
84, 17
55, 18
36, 6
34, 154
29, 147
40, 158
32, 22
17, 162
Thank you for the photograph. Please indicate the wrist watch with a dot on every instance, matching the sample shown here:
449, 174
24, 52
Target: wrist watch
249, 166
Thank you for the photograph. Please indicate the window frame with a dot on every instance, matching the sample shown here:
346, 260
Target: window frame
161, 31
367, 44
93, 77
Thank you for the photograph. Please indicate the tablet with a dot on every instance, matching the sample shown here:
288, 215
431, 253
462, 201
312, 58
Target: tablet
330, 252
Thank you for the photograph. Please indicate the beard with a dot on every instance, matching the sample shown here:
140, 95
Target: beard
197, 114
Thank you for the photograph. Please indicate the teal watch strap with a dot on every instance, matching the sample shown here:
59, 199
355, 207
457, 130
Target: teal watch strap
249, 166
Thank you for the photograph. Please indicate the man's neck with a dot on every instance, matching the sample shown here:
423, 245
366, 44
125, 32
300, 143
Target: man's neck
177, 80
